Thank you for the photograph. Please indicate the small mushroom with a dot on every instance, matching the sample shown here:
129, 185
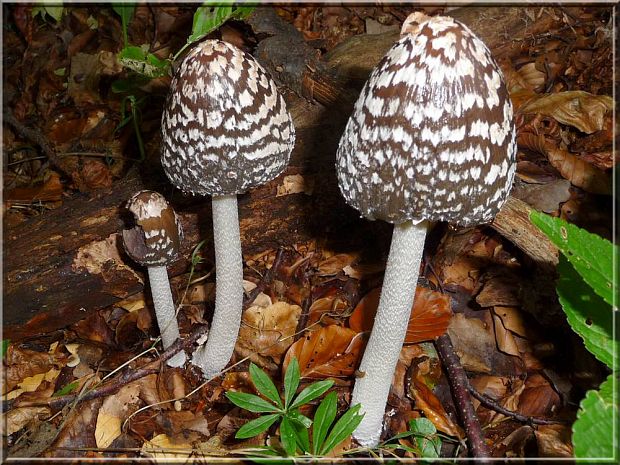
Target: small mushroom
431, 138
225, 130
155, 242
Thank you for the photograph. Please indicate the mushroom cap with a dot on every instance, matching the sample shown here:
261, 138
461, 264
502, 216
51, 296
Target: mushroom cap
156, 238
225, 126
432, 135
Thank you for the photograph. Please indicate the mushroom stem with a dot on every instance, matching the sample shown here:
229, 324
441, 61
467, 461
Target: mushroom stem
389, 329
215, 354
165, 311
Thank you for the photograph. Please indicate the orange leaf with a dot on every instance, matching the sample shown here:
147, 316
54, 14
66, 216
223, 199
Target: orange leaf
428, 402
330, 351
430, 315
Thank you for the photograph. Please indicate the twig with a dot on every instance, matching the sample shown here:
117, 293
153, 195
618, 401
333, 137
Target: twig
266, 279
303, 317
459, 385
35, 136
492, 404
56, 403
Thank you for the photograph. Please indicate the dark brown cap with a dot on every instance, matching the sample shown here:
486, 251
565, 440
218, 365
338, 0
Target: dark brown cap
432, 133
225, 126
156, 238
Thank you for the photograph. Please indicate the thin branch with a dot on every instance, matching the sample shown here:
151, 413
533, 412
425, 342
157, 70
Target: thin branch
266, 279
493, 405
460, 392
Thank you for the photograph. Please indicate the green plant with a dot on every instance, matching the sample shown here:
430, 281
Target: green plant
53, 10
295, 428
586, 292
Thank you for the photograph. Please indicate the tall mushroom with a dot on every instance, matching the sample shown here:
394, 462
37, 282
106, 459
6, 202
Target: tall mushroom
154, 242
431, 137
225, 130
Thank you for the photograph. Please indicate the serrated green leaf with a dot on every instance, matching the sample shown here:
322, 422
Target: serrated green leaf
288, 437
264, 385
343, 428
251, 402
323, 419
66, 389
593, 431
590, 254
291, 381
312, 392
5, 345
255, 427
425, 437
587, 313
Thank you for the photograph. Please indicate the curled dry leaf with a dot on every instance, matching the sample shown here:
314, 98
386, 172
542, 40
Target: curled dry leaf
18, 418
268, 331
577, 171
576, 108
332, 351
554, 441
21, 364
430, 314
505, 339
327, 309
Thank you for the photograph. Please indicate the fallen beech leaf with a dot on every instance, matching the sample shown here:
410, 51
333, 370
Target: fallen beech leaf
579, 172
17, 418
430, 405
112, 413
554, 441
295, 184
50, 191
473, 343
577, 108
327, 310
538, 397
268, 330
161, 447
23, 363
545, 197
32, 383
336, 263
330, 351
78, 431
512, 319
505, 339
430, 314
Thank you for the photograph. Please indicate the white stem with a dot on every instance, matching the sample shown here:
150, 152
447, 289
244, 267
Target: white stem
164, 311
215, 354
389, 329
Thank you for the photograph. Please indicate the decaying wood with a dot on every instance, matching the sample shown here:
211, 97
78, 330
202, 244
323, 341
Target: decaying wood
62, 265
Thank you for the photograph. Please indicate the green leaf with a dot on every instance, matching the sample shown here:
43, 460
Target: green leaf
343, 428
125, 11
66, 389
55, 11
139, 60
298, 418
291, 381
264, 385
593, 431
425, 437
288, 437
301, 437
591, 255
311, 392
5, 345
323, 418
257, 426
588, 314
251, 402
208, 19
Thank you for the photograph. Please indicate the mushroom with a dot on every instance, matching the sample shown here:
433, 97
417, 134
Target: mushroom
431, 138
225, 130
155, 242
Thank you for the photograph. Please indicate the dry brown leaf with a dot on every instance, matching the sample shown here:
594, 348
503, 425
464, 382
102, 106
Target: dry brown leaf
554, 441
50, 191
78, 431
505, 339
163, 448
431, 406
17, 418
545, 197
336, 263
512, 319
330, 351
576, 108
538, 397
326, 309
473, 342
21, 364
430, 314
268, 330
112, 413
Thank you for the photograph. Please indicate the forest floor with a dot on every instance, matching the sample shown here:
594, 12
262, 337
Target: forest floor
78, 126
